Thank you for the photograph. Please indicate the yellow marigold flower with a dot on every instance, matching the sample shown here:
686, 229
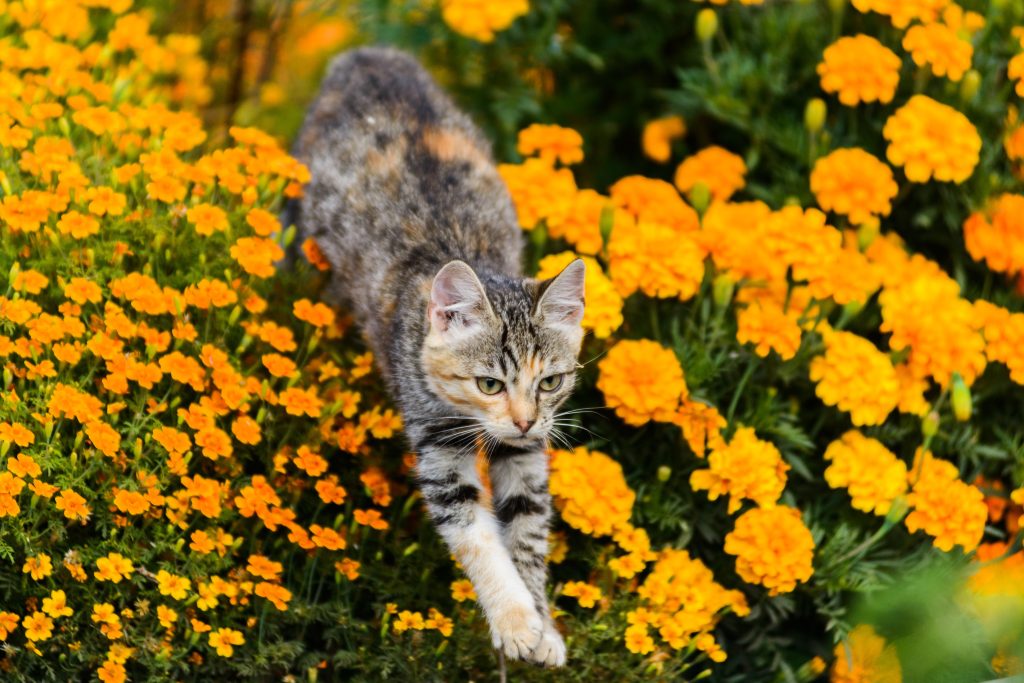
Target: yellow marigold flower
938, 46
82, 291
656, 260
223, 641
38, 566
702, 426
996, 234
481, 19
926, 316
56, 605
865, 657
650, 200
551, 144
932, 140
585, 593
580, 225
439, 622
718, 169
8, 622
257, 255
603, 312
902, 12
856, 377
114, 567
764, 324
172, 585
943, 506
638, 640
773, 548
1015, 70
641, 380
409, 621
912, 390
658, 136
870, 472
860, 69
853, 183
78, 225
590, 491
207, 219
1004, 337
462, 590
746, 468
539, 191
37, 626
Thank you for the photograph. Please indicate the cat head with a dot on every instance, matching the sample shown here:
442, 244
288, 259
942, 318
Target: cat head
502, 352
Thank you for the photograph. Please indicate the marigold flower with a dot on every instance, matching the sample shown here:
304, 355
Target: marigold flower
581, 224
317, 315
590, 491
22, 465
257, 255
860, 69
603, 312
223, 641
462, 590
539, 191
551, 144
481, 19
745, 468
171, 585
638, 640
586, 594
853, 183
865, 656
262, 222
938, 46
641, 380
370, 518
773, 548
113, 567
72, 505
943, 506
78, 225
56, 605
656, 260
8, 623
702, 426
871, 473
298, 401
131, 502
769, 328
649, 200
37, 626
856, 377
996, 234
932, 140
902, 12
38, 566
658, 136
718, 169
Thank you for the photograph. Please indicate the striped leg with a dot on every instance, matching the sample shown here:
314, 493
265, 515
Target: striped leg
522, 504
451, 487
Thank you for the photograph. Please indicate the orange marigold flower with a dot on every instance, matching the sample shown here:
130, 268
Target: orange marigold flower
166, 189
264, 567
656, 260
330, 491
82, 291
745, 468
902, 12
16, 433
658, 136
23, 465
310, 462
114, 567
856, 377
325, 537
943, 506
586, 594
590, 491
131, 502
317, 315
207, 219
932, 140
38, 566
313, 254
214, 442
171, 585
551, 144
860, 69
641, 380
184, 369
72, 505
257, 255
277, 595
8, 622
479, 19
78, 225
278, 365
298, 401
539, 191
104, 437
172, 440
223, 641
773, 548
939, 46
865, 656
702, 426
718, 169
853, 183
262, 222
370, 518
37, 626
996, 235
649, 200
246, 430
764, 324
30, 281
872, 475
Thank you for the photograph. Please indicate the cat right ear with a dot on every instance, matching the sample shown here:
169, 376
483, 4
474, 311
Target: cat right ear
458, 302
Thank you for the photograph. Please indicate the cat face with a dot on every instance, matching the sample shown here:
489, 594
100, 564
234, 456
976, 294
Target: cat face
504, 356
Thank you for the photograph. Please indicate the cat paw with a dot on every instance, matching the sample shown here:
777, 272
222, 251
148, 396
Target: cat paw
518, 631
550, 651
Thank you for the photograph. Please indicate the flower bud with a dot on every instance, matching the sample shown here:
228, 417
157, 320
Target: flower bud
970, 85
930, 424
722, 289
707, 24
664, 472
606, 223
867, 232
961, 398
700, 197
814, 115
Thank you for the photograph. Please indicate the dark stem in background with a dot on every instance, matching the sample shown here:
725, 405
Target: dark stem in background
278, 25
241, 18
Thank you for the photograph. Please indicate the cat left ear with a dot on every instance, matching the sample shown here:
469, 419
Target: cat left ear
458, 301
562, 299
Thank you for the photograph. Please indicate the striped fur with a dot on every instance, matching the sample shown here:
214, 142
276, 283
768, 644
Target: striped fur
407, 205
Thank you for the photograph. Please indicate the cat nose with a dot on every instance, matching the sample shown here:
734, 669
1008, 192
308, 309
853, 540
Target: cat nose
524, 425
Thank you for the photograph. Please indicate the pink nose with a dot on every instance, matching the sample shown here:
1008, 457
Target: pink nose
524, 425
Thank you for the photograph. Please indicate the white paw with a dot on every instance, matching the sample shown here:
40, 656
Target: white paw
550, 651
517, 630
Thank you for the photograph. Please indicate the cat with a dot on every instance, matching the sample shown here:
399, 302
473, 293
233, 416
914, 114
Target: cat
407, 207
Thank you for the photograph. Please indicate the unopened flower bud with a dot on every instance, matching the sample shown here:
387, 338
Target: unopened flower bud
722, 289
970, 85
930, 424
700, 197
664, 472
707, 24
867, 232
814, 115
961, 398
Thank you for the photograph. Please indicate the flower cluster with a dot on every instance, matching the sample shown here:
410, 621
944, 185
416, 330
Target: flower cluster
482, 19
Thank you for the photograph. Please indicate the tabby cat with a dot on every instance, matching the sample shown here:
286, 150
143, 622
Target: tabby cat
407, 206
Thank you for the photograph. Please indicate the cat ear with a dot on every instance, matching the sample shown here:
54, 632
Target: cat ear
561, 301
457, 299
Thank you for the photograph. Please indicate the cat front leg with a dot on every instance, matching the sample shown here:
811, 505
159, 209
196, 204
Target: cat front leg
452, 490
522, 505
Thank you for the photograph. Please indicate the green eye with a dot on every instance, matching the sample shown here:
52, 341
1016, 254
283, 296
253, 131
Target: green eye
551, 382
489, 385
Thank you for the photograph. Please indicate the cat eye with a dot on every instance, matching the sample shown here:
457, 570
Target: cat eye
551, 382
489, 385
